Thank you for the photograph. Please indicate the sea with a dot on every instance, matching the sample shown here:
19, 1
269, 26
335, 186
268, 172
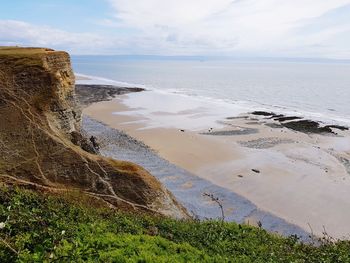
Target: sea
318, 90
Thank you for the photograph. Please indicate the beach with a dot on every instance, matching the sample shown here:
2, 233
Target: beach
300, 176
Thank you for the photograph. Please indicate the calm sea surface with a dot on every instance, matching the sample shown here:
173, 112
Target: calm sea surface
319, 90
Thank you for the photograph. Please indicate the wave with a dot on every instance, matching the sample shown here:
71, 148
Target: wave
90, 79
234, 107
325, 118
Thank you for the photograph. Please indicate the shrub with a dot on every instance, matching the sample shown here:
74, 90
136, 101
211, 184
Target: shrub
45, 228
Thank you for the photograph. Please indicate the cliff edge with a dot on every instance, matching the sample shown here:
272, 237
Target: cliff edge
41, 143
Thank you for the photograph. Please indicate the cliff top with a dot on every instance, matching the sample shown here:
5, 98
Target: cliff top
23, 51
24, 56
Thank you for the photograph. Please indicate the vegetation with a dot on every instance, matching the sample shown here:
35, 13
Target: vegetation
47, 228
22, 57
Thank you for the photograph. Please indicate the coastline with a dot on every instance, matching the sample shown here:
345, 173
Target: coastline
187, 187
308, 185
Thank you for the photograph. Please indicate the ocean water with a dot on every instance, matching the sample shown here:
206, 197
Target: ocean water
318, 90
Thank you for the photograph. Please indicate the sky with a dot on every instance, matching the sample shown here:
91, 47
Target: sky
244, 28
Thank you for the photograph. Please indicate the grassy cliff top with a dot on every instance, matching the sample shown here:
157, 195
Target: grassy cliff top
23, 56
41, 228
23, 50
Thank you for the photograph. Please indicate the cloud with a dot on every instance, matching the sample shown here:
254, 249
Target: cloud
232, 27
264, 28
14, 32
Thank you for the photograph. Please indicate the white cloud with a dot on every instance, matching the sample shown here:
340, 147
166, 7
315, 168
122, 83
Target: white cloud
14, 32
300, 28
230, 27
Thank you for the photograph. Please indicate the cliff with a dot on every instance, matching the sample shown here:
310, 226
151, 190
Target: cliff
41, 144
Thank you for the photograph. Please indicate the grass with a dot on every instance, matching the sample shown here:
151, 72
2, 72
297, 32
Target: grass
22, 57
45, 228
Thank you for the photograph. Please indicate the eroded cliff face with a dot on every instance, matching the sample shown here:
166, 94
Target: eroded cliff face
39, 115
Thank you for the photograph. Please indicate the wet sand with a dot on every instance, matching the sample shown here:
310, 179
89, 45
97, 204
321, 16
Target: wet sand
302, 178
188, 188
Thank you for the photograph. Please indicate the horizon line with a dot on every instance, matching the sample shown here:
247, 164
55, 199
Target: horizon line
215, 57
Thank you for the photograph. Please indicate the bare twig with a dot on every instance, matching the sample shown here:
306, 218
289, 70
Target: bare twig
218, 201
9, 246
314, 238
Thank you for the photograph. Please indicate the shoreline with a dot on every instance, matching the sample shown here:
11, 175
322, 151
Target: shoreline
240, 160
326, 117
186, 187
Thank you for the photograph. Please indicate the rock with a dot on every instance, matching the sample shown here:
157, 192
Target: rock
274, 125
78, 139
41, 142
88, 94
264, 143
339, 127
238, 131
94, 142
298, 123
263, 113
237, 117
289, 118
307, 126
256, 171
276, 116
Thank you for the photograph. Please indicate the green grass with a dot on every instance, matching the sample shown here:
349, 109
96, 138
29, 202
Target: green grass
43, 228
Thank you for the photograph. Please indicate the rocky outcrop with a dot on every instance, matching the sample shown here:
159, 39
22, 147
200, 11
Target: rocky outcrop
88, 94
39, 119
299, 124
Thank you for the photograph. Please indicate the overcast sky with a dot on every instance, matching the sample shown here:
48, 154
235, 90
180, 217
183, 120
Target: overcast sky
253, 28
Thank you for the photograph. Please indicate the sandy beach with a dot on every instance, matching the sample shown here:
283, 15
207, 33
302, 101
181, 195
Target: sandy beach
301, 177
